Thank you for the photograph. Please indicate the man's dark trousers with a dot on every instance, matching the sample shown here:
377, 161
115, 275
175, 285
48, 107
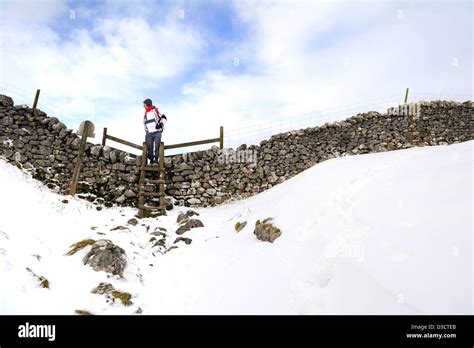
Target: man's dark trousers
153, 141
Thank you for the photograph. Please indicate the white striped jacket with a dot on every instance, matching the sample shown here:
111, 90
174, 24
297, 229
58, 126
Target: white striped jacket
152, 119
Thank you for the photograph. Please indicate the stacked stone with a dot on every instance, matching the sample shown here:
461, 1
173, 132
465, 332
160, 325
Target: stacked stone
206, 178
44, 146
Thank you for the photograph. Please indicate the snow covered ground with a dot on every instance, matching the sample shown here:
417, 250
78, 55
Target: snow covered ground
387, 233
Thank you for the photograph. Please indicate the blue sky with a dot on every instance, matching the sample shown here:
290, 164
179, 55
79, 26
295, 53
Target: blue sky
215, 20
294, 57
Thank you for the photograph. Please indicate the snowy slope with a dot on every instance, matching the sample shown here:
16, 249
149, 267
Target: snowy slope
387, 233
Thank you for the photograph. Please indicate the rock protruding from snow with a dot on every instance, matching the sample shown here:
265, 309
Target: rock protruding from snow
160, 243
266, 231
106, 256
239, 226
132, 222
169, 203
188, 225
183, 239
159, 233
185, 216
103, 288
82, 312
112, 294
120, 228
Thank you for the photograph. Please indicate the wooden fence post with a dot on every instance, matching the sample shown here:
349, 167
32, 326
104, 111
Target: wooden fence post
162, 177
104, 136
80, 155
221, 137
35, 103
141, 198
406, 95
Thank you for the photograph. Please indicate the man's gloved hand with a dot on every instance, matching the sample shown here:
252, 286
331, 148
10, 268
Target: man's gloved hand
159, 126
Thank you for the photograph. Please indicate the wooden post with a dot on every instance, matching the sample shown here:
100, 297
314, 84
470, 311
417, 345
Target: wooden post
35, 103
80, 155
406, 95
162, 177
104, 136
141, 198
221, 138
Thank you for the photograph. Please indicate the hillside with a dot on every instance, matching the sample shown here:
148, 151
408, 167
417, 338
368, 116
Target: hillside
385, 233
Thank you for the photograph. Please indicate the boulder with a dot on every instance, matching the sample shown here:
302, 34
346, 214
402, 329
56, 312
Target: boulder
106, 256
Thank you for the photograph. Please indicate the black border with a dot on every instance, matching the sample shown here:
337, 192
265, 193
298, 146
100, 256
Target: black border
141, 330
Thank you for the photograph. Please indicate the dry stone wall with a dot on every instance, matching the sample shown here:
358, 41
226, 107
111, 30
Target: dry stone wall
45, 147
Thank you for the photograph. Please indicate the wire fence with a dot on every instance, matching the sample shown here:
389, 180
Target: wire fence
254, 134
20, 96
26, 97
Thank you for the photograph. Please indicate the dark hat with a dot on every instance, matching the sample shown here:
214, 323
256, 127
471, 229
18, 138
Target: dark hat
148, 102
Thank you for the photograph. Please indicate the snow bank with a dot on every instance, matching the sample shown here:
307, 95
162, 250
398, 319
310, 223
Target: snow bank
387, 233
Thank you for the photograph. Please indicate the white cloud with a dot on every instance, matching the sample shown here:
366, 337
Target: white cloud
296, 57
313, 56
118, 59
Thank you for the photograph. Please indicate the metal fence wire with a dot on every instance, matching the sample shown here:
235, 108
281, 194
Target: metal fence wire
254, 134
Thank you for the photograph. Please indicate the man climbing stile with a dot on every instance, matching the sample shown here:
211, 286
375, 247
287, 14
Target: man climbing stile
154, 123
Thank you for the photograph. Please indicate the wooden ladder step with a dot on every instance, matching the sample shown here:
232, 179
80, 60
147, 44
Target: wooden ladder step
151, 207
151, 181
151, 168
151, 194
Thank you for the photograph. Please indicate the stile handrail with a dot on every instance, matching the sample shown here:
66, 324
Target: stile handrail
219, 140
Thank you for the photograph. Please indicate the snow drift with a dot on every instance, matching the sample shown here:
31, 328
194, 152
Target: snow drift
386, 233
